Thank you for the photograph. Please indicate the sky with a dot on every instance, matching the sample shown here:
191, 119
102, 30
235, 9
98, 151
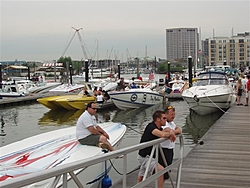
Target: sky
34, 30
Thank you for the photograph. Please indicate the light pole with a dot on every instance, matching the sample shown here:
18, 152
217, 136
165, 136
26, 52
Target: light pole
169, 72
0, 75
70, 74
55, 69
86, 70
190, 67
119, 71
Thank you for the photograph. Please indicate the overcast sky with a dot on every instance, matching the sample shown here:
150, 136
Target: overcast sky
41, 30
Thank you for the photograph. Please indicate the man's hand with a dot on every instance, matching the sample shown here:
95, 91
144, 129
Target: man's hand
106, 135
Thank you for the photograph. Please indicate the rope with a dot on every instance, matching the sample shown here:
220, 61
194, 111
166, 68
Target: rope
120, 172
216, 104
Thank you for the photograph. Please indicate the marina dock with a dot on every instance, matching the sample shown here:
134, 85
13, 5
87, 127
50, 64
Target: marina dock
223, 159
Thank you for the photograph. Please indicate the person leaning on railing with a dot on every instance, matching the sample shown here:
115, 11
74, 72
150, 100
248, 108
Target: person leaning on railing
168, 145
153, 131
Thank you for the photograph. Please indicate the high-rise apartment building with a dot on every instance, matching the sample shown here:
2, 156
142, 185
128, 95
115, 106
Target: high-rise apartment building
233, 51
181, 43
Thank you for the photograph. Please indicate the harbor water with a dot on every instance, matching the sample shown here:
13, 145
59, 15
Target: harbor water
20, 122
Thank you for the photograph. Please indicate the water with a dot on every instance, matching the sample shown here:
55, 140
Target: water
29, 120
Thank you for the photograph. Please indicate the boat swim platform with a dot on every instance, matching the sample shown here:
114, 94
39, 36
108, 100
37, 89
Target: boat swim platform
222, 161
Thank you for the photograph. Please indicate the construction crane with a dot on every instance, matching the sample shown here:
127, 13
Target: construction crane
81, 43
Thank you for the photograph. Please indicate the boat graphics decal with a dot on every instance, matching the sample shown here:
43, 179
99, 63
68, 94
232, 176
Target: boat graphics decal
133, 97
44, 155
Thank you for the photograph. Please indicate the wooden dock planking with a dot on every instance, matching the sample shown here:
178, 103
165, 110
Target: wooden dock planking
224, 159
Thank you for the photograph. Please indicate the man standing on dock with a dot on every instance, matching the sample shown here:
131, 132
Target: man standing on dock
247, 90
153, 131
168, 145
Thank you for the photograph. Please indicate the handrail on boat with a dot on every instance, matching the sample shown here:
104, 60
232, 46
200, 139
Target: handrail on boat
68, 169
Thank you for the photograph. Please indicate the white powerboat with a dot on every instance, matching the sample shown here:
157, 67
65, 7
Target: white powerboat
53, 149
11, 90
211, 93
135, 98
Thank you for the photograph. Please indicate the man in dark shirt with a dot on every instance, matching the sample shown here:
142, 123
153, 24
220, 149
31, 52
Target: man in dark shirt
153, 131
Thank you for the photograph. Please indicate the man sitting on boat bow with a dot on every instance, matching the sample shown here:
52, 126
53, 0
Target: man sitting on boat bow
88, 132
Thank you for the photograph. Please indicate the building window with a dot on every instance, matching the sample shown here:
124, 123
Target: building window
241, 40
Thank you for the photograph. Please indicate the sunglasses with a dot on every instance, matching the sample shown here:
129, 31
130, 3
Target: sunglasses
94, 108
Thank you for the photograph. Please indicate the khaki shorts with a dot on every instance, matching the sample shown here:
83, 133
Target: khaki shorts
91, 140
143, 165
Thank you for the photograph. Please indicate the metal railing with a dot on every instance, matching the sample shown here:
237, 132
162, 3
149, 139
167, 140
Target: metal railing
70, 169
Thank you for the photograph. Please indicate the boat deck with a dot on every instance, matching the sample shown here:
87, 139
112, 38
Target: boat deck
223, 159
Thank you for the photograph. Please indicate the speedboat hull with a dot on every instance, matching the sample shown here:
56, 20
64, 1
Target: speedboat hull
54, 149
49, 102
80, 103
135, 98
209, 104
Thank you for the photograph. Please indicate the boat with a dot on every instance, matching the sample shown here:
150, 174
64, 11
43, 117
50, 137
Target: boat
66, 101
43, 87
77, 103
11, 90
212, 92
67, 88
135, 98
54, 149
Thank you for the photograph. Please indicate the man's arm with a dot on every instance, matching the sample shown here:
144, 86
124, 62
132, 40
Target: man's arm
161, 134
93, 130
99, 129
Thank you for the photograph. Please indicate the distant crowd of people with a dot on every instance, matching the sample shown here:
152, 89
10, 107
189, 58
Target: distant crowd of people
243, 87
100, 94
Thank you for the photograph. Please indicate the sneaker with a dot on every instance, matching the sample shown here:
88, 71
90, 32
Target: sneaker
246, 105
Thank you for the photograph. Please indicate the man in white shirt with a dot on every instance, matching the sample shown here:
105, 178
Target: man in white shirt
88, 132
168, 145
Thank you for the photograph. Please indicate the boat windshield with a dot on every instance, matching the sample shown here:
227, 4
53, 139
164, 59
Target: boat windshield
211, 79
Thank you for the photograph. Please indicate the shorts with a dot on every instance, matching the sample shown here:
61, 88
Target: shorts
239, 92
143, 165
91, 140
248, 94
169, 155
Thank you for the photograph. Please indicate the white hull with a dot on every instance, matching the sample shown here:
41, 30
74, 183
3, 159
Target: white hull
43, 88
211, 93
210, 104
53, 149
65, 88
135, 98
